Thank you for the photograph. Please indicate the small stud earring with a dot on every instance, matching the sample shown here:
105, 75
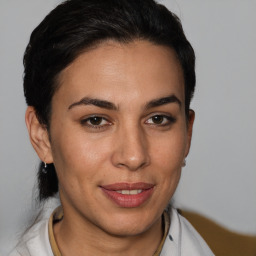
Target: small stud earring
184, 163
44, 169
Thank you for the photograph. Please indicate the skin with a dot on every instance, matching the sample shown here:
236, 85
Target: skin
134, 142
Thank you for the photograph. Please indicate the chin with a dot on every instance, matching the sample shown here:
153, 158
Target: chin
128, 224
126, 230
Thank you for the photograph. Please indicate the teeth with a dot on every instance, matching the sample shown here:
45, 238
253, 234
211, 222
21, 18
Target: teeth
129, 192
135, 192
125, 192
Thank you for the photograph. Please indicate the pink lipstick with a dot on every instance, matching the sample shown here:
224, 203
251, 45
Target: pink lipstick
128, 195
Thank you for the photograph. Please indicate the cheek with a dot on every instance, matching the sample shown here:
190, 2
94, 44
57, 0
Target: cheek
78, 162
170, 150
168, 161
76, 156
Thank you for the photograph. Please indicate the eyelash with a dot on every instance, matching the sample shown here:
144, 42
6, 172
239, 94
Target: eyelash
168, 120
85, 122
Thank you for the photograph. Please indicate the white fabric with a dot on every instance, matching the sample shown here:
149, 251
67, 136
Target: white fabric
35, 242
182, 240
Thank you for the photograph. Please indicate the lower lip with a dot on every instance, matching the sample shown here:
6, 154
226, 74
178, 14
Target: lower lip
128, 201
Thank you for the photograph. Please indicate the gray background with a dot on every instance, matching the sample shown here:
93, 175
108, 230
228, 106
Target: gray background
220, 178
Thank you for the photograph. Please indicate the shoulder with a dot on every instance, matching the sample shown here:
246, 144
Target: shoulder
183, 239
35, 241
221, 240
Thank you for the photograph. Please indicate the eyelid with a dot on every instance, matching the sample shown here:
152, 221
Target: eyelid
170, 119
84, 121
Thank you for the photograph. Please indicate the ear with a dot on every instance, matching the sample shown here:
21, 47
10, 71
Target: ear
190, 123
38, 135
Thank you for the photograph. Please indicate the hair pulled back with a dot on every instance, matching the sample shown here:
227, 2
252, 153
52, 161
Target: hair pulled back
76, 25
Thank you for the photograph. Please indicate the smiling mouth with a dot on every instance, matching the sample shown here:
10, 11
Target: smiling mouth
128, 195
129, 192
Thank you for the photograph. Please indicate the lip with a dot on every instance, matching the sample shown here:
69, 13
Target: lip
128, 200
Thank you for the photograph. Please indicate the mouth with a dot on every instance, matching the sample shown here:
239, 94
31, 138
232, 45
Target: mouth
128, 195
129, 192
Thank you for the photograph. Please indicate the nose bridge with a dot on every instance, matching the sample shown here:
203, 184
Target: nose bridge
132, 149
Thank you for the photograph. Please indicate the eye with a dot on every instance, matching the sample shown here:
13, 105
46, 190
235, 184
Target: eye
95, 122
161, 120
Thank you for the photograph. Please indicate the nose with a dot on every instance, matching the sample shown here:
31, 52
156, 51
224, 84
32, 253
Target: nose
131, 150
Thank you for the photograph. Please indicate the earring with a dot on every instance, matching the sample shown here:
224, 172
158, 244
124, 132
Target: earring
45, 169
184, 163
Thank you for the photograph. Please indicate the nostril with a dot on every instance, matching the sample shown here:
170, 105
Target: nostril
133, 164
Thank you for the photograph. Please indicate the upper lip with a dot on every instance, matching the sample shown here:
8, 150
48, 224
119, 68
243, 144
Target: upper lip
128, 186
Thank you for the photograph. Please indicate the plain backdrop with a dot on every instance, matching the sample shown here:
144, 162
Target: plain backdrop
219, 180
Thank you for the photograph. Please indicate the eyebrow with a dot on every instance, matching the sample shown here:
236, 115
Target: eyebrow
109, 105
163, 101
96, 102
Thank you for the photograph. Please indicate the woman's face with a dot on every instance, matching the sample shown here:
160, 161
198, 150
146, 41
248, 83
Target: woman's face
119, 135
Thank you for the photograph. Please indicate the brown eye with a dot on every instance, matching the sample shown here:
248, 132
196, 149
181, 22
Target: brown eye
157, 119
95, 120
161, 120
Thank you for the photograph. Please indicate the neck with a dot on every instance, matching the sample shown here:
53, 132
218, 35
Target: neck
77, 236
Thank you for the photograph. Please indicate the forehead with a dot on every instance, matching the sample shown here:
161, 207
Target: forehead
137, 69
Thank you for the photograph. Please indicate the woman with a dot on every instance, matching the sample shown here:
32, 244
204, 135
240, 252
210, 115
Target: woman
108, 85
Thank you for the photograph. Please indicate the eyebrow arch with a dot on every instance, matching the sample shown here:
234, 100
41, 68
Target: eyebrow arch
96, 102
163, 101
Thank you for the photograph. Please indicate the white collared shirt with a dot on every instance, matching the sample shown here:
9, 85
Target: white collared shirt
182, 240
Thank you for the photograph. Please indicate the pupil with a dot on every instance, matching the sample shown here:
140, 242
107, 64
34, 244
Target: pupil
95, 120
157, 119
